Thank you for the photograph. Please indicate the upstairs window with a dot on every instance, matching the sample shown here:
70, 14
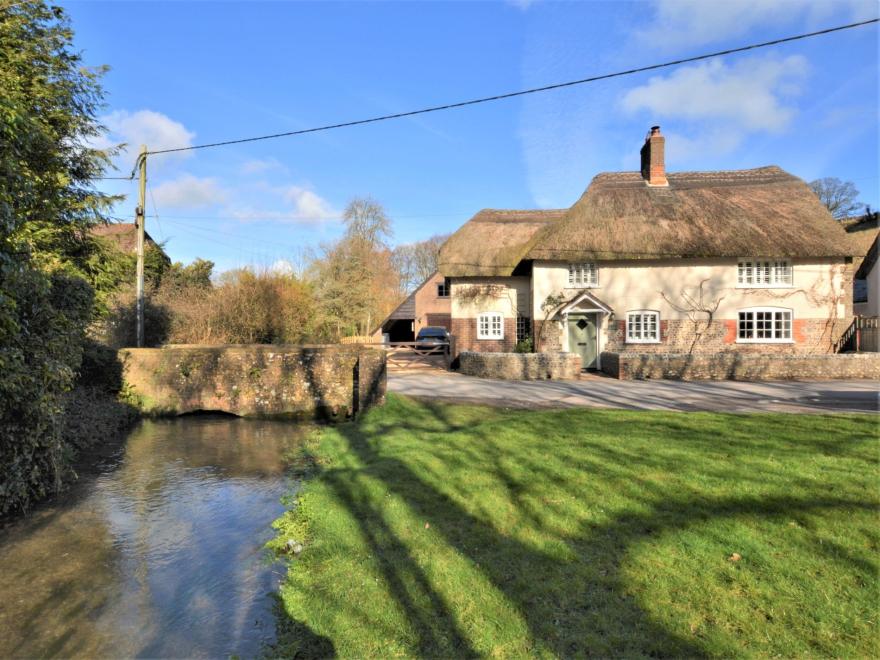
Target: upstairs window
643, 327
490, 325
764, 273
444, 288
583, 274
764, 325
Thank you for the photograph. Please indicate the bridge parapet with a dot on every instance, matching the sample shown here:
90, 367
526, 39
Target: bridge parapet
255, 380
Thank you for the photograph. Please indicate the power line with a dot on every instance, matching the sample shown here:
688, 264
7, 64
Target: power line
299, 218
156, 211
534, 90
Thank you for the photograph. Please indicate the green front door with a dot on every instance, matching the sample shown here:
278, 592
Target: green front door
582, 335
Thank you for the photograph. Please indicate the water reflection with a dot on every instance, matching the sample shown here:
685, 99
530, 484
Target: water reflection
159, 555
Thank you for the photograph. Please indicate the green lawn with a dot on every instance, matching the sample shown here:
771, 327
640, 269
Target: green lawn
448, 530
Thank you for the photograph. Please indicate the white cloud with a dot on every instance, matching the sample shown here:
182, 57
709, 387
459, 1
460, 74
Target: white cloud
308, 205
699, 146
681, 24
258, 166
749, 96
522, 5
282, 267
296, 204
187, 192
148, 127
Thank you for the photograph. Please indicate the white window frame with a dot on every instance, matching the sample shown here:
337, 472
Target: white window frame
490, 325
631, 325
773, 325
764, 273
583, 275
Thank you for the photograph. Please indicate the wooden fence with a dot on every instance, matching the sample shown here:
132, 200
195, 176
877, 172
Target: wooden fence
863, 335
409, 355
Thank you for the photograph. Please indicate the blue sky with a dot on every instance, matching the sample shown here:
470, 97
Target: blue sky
187, 73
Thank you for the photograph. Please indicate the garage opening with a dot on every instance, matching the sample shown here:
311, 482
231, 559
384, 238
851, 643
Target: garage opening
399, 330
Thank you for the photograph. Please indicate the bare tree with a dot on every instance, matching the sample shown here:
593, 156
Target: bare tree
416, 262
838, 196
365, 219
354, 279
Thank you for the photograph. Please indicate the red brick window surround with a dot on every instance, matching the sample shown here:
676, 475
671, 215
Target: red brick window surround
490, 325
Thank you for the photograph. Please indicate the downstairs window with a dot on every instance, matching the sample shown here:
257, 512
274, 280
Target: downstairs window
643, 327
523, 328
764, 325
490, 325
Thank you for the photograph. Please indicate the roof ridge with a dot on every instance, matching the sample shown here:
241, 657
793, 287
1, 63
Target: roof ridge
762, 170
491, 210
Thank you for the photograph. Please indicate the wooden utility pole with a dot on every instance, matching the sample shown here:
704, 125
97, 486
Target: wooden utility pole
140, 219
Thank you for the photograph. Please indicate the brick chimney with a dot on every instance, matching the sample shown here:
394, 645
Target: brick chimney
653, 164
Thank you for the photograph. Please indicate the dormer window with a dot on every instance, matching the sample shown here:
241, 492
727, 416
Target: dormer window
583, 275
764, 273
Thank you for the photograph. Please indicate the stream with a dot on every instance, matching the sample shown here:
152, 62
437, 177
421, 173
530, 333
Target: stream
159, 553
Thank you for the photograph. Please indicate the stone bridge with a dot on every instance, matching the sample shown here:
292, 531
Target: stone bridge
299, 382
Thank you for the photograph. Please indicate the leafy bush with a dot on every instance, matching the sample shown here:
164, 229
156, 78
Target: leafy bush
524, 346
100, 367
118, 328
42, 328
245, 307
91, 415
48, 107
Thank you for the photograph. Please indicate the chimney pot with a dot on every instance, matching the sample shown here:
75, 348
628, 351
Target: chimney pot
653, 158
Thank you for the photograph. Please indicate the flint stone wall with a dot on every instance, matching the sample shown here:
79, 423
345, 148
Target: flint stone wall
521, 366
303, 382
741, 366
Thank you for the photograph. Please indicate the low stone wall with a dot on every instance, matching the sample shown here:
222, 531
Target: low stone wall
741, 366
521, 366
254, 381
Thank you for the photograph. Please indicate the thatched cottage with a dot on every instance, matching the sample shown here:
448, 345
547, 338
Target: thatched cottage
648, 262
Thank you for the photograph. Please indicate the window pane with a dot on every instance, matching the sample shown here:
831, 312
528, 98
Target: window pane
745, 325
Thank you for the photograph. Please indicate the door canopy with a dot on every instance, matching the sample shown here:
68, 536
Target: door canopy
584, 302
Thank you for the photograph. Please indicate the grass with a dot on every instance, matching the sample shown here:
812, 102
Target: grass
448, 530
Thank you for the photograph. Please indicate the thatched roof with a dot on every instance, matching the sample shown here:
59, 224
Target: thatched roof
759, 212
863, 231
123, 235
869, 261
493, 242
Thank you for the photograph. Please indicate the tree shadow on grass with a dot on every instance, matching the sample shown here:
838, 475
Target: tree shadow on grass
575, 602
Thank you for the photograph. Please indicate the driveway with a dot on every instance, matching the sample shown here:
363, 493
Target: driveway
603, 392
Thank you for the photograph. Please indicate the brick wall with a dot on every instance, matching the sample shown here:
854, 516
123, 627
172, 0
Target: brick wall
465, 332
686, 336
741, 366
551, 340
439, 320
255, 381
521, 366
